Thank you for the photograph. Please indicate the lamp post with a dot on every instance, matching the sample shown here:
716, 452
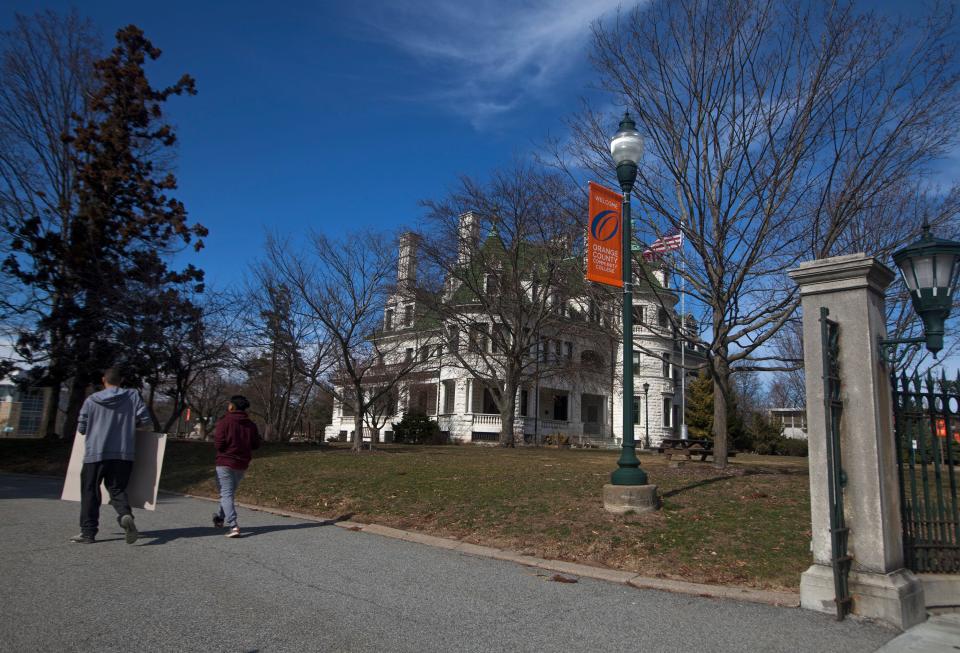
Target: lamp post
646, 414
929, 269
626, 148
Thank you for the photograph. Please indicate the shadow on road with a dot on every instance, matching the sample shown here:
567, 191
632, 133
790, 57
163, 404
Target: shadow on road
164, 536
26, 487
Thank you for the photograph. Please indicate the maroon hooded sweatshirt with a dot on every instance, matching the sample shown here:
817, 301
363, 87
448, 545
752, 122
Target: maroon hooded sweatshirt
235, 439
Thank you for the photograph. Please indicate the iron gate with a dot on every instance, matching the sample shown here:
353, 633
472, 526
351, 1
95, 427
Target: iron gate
927, 428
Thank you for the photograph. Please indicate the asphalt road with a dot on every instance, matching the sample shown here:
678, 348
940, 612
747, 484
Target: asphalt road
291, 585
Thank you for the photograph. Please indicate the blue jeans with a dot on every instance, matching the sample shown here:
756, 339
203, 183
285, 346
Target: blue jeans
228, 479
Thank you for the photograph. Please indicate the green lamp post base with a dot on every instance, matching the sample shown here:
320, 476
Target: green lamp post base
628, 470
628, 476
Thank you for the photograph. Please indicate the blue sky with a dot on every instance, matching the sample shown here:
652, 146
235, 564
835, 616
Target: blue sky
335, 116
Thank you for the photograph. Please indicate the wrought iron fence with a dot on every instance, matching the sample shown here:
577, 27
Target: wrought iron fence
927, 427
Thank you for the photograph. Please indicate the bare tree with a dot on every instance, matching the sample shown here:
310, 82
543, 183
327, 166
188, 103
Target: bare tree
282, 352
380, 410
46, 78
771, 129
513, 285
342, 287
207, 398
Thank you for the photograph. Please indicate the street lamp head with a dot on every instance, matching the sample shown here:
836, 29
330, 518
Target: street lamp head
626, 148
929, 268
646, 388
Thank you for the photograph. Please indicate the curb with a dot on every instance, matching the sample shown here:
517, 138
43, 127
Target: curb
628, 578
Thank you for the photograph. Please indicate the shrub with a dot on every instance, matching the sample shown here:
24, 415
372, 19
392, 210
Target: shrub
417, 428
557, 440
792, 447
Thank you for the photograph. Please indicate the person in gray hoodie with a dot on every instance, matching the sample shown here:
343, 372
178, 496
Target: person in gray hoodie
108, 420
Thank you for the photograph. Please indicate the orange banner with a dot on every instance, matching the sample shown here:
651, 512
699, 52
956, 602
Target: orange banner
605, 236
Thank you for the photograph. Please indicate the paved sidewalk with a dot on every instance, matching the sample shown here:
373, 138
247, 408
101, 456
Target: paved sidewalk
296, 585
938, 634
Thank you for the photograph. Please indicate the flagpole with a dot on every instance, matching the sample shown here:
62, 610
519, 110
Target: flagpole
683, 347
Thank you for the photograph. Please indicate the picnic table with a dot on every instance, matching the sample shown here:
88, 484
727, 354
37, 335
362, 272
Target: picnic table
685, 449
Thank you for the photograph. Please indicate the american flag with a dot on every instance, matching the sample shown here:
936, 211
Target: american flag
662, 245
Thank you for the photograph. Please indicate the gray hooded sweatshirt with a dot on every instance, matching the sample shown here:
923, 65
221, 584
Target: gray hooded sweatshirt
109, 418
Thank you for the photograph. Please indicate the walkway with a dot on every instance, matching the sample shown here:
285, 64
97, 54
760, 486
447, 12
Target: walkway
294, 585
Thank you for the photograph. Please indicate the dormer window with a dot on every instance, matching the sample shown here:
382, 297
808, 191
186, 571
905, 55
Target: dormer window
388, 320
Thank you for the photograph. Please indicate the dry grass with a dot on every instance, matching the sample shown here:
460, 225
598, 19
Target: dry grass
748, 525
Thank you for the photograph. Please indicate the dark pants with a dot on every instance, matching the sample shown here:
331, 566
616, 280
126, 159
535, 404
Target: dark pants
115, 474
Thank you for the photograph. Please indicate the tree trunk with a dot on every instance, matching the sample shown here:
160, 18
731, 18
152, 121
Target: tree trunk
508, 411
721, 384
358, 419
78, 392
153, 414
357, 431
178, 406
507, 436
51, 406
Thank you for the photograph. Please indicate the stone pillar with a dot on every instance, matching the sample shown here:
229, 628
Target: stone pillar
852, 289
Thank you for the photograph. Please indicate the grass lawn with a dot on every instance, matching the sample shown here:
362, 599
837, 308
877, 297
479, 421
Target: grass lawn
748, 525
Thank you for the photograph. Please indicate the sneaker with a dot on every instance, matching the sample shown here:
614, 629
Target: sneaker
128, 525
217, 521
234, 532
82, 539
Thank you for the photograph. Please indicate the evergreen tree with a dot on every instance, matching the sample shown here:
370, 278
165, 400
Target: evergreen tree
700, 413
106, 267
700, 407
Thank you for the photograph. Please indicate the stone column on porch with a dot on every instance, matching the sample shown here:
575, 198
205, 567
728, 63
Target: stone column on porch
852, 289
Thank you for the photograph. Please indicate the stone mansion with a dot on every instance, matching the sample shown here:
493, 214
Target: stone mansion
584, 403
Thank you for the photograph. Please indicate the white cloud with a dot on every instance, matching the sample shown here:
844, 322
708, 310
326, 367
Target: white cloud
489, 58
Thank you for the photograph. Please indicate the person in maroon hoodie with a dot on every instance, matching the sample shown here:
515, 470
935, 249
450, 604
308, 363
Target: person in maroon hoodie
235, 438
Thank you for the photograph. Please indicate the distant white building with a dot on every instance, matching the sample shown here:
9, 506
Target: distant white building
21, 410
793, 421
583, 403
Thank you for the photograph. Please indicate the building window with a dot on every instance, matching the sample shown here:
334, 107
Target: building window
500, 340
453, 338
557, 351
636, 358
408, 315
667, 367
638, 314
493, 284
478, 337
388, 320
591, 359
560, 404
424, 354
408, 355
662, 319
449, 396
636, 409
482, 400
524, 399
569, 350
667, 412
